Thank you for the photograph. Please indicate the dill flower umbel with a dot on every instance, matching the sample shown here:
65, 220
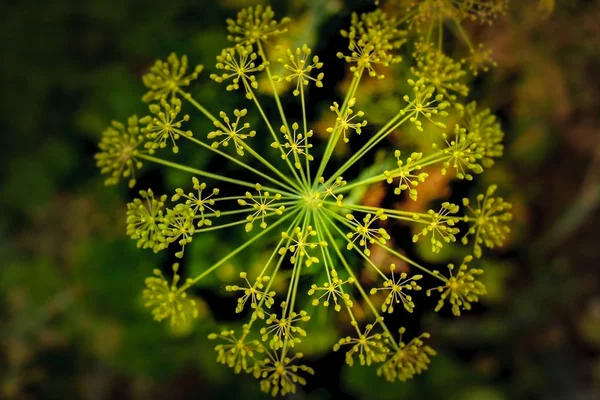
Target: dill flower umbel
295, 200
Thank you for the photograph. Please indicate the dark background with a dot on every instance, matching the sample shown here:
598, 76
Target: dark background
72, 321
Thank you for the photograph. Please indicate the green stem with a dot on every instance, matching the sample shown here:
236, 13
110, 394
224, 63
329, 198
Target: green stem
356, 282
291, 298
355, 248
245, 210
279, 262
463, 34
371, 143
305, 131
440, 33
243, 164
409, 261
275, 138
387, 211
207, 174
189, 98
203, 110
228, 225
337, 127
327, 258
236, 251
271, 167
263, 55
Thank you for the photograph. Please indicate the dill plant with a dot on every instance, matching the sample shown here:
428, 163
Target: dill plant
301, 207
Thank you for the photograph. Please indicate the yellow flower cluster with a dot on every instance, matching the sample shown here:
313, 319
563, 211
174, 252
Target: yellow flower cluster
302, 210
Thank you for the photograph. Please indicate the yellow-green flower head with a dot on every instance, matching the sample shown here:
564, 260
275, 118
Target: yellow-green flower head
332, 290
442, 72
238, 354
262, 205
200, 204
424, 11
487, 221
486, 130
408, 360
327, 191
479, 59
240, 65
166, 78
441, 226
254, 293
379, 29
178, 227
143, 217
255, 24
345, 121
167, 301
461, 289
284, 330
407, 174
300, 69
232, 131
119, 150
164, 126
397, 286
296, 144
464, 153
280, 375
300, 245
373, 38
368, 346
365, 233
424, 104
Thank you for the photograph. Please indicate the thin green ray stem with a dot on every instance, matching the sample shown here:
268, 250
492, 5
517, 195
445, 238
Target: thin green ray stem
243, 164
305, 132
431, 24
409, 261
244, 210
271, 167
289, 231
368, 181
290, 299
391, 126
209, 175
405, 18
403, 257
424, 162
215, 121
327, 259
388, 212
337, 129
263, 55
293, 288
190, 99
234, 198
351, 274
359, 251
275, 138
345, 222
236, 223
236, 251
463, 34
440, 34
